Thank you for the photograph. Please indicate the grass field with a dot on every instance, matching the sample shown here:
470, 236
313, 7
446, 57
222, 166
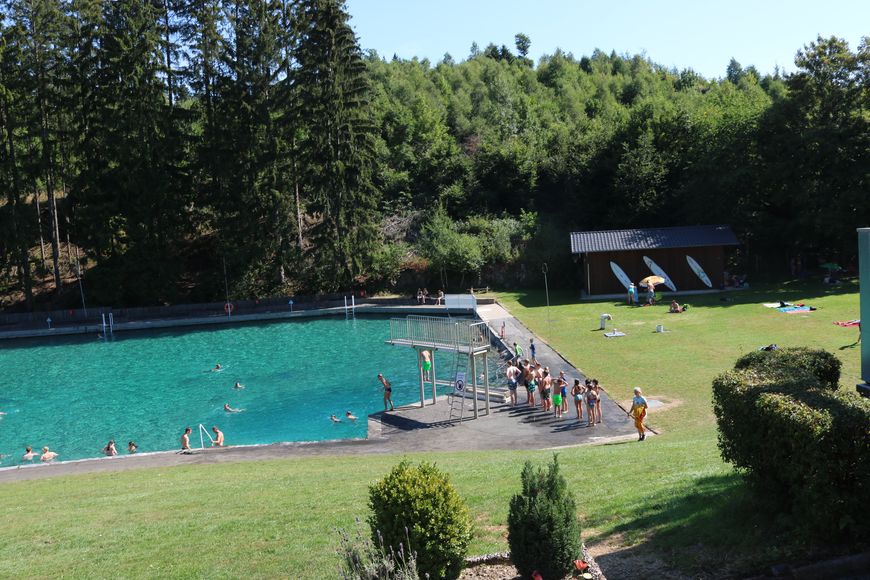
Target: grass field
671, 495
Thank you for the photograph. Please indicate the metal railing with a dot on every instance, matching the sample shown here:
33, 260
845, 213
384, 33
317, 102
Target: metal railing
445, 333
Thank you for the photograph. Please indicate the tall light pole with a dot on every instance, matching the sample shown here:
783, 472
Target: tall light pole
547, 292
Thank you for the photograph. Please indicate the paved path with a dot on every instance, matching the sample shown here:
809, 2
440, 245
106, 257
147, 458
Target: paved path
406, 430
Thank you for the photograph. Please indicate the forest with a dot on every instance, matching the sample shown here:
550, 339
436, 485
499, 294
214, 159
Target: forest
164, 151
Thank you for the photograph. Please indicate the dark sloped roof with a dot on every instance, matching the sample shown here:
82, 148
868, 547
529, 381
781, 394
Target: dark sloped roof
652, 239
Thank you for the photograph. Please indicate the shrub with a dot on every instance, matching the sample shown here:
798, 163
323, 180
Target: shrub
363, 559
417, 505
800, 442
821, 364
543, 531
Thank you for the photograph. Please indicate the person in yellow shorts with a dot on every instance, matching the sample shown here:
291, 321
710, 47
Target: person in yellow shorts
638, 412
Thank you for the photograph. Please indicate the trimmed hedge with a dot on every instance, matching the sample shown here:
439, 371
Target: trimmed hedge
798, 439
417, 506
819, 363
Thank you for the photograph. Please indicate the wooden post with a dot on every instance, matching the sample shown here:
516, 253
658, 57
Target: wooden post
434, 384
486, 379
473, 381
422, 385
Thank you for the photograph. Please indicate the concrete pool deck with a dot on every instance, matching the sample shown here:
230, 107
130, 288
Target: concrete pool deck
409, 429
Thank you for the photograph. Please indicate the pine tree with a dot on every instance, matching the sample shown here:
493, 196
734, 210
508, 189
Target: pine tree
337, 153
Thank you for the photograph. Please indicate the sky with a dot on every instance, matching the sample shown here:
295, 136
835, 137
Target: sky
700, 34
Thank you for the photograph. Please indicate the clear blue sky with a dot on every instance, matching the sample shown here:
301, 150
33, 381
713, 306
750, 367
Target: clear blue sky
701, 34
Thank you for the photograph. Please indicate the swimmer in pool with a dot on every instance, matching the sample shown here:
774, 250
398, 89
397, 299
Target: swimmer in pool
350, 415
218, 437
229, 409
47, 455
29, 455
132, 447
110, 450
185, 439
334, 419
238, 386
217, 368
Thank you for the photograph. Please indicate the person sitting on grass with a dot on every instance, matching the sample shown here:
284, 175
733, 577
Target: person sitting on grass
675, 307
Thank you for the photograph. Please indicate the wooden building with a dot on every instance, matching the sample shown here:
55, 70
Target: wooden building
692, 257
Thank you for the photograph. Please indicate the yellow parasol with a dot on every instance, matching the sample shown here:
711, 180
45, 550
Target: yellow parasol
652, 280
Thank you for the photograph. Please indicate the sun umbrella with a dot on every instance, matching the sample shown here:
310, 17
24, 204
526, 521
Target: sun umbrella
654, 280
830, 266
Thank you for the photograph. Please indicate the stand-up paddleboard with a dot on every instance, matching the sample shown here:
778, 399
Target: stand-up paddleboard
657, 270
699, 271
620, 275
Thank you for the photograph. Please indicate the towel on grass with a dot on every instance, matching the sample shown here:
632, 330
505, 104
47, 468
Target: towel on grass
614, 334
797, 309
771, 304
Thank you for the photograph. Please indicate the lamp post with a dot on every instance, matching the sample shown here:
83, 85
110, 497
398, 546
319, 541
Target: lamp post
547, 292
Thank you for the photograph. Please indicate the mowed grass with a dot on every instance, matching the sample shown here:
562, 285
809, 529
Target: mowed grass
671, 495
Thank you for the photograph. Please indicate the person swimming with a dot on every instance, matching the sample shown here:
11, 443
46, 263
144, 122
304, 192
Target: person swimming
229, 409
217, 368
132, 447
29, 455
218, 437
238, 385
350, 416
47, 455
334, 419
110, 450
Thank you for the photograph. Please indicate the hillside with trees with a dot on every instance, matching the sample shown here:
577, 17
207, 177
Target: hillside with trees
149, 149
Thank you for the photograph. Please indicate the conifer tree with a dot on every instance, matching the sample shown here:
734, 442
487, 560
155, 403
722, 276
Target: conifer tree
337, 153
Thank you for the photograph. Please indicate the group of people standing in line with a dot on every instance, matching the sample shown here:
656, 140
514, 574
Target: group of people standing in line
553, 391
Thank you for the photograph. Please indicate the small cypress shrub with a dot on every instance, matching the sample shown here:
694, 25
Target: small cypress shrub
543, 531
417, 506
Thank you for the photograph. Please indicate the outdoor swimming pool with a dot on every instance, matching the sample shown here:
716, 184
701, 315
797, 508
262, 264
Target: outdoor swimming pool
75, 394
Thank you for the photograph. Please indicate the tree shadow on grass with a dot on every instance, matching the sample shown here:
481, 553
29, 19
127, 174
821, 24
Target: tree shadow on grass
717, 528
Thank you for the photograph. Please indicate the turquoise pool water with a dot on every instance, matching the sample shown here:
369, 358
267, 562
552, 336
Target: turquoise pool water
75, 394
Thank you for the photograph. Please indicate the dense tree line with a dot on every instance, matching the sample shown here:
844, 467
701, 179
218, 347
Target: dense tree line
163, 146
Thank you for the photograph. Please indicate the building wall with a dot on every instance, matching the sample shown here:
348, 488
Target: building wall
672, 261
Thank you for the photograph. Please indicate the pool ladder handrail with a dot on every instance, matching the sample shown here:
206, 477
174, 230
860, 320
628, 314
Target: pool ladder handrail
202, 430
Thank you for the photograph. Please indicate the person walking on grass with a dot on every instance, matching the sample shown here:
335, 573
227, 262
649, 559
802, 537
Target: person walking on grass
638, 412
512, 374
577, 395
388, 392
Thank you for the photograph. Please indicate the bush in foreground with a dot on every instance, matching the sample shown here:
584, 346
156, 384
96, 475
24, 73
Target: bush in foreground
417, 506
543, 531
799, 440
824, 366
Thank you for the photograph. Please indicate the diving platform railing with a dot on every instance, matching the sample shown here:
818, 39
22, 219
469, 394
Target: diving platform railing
458, 335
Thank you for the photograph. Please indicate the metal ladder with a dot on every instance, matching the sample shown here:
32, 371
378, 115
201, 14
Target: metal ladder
460, 373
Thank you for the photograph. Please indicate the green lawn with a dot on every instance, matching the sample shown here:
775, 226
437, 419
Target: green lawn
671, 494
